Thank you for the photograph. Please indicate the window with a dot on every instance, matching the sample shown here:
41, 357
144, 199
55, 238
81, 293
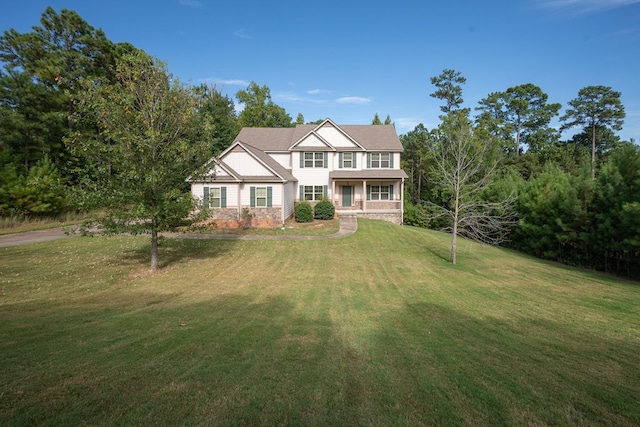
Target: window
313, 192
313, 160
347, 160
215, 197
379, 160
379, 192
261, 197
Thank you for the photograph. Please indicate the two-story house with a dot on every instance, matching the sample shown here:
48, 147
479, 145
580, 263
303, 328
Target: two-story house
266, 171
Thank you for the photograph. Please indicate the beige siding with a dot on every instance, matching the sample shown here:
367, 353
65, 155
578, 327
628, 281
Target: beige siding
244, 164
335, 137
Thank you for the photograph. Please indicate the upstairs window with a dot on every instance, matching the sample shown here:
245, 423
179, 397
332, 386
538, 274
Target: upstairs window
379, 160
347, 160
313, 159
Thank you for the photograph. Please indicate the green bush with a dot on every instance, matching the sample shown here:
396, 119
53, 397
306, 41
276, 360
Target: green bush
303, 212
324, 209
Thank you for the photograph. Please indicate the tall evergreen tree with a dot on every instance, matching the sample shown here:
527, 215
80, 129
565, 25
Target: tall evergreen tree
596, 107
449, 89
521, 111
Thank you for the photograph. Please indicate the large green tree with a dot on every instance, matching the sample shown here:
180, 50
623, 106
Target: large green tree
449, 89
145, 119
217, 117
42, 70
259, 110
596, 107
521, 111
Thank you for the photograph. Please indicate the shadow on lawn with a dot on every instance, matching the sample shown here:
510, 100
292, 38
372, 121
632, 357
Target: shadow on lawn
526, 370
173, 251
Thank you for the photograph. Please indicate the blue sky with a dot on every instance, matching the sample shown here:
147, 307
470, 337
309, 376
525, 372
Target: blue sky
348, 60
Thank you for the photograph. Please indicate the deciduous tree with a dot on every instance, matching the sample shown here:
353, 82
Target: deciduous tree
259, 110
464, 164
145, 120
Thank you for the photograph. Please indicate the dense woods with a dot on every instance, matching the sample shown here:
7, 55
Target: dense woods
576, 201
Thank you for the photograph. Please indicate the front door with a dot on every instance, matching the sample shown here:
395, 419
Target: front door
346, 196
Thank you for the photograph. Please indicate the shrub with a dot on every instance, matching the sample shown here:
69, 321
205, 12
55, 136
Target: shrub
324, 209
415, 215
303, 212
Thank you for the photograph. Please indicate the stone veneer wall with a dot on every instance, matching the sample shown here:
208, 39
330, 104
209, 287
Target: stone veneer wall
260, 217
395, 217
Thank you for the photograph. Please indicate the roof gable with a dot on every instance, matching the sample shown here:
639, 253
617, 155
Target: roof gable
244, 162
326, 135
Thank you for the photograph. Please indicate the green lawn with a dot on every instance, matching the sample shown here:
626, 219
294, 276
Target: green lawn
371, 329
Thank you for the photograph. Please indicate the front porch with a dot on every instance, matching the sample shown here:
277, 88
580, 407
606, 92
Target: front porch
369, 198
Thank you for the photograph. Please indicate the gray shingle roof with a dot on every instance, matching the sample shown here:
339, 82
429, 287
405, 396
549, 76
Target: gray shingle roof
371, 137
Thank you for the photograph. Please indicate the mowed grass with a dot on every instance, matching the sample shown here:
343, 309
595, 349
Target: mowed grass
371, 329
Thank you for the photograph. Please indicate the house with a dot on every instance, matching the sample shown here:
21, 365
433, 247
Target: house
266, 171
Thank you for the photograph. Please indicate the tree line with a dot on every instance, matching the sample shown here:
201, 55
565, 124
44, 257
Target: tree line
575, 201
44, 73
86, 123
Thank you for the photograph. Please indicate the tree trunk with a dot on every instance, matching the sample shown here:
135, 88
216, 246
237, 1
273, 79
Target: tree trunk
593, 150
519, 127
154, 245
454, 243
454, 231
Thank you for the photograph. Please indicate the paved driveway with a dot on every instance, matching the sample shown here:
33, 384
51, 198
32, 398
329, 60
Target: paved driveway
348, 225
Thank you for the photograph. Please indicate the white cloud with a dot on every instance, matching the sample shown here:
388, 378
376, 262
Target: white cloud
242, 34
586, 6
318, 91
355, 100
295, 98
223, 82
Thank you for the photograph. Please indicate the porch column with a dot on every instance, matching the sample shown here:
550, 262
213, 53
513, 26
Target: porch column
333, 192
364, 195
402, 201
240, 185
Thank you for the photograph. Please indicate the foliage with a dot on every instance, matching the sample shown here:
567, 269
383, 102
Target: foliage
40, 192
548, 208
145, 121
259, 110
449, 89
303, 212
415, 215
217, 118
324, 209
596, 107
43, 68
521, 110
415, 158
376, 120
